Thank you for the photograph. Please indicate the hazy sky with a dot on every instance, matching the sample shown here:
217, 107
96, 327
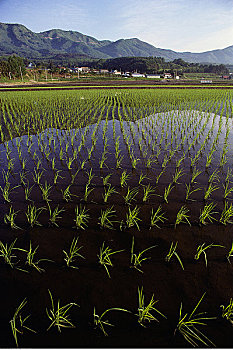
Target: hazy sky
181, 25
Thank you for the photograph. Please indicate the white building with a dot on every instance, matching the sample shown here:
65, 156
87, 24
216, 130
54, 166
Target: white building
116, 72
167, 76
138, 75
153, 76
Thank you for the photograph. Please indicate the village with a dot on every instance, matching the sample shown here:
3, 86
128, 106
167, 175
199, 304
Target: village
83, 72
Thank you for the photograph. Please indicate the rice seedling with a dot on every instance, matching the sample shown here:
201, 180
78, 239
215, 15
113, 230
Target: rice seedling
90, 177
195, 174
201, 249
189, 192
9, 219
32, 215
167, 191
59, 315
157, 217
179, 161
227, 311
46, 191
132, 218
27, 192
209, 160
194, 160
214, 177
227, 190
130, 195
147, 192
229, 175
145, 311
105, 180
165, 161
119, 161
66, 194
134, 162
226, 214
124, 178
105, 219
18, 322
99, 321
206, 213
54, 215
7, 253
108, 192
137, 259
159, 175
223, 160
69, 162
73, 176
38, 164
182, 216
103, 159
23, 178
6, 191
178, 174
142, 177
37, 176
87, 192
150, 161
31, 256
81, 217
104, 257
211, 188
230, 253
57, 176
187, 326
82, 165
73, 253
172, 251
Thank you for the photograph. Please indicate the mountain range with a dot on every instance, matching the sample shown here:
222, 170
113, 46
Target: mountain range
17, 39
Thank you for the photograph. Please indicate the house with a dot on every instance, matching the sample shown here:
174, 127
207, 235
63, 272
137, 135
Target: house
137, 75
85, 69
31, 66
103, 71
206, 81
153, 76
115, 72
167, 76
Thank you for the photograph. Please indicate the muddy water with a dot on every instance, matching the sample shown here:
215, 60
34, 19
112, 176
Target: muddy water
89, 286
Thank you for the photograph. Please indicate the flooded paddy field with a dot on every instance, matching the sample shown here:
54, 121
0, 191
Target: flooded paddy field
118, 204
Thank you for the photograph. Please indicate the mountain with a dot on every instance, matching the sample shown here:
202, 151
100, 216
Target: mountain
17, 39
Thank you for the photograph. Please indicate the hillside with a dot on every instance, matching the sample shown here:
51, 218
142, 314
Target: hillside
17, 39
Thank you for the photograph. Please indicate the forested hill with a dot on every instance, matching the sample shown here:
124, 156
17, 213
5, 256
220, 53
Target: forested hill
19, 40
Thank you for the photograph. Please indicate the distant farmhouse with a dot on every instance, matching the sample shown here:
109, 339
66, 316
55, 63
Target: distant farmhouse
137, 75
153, 76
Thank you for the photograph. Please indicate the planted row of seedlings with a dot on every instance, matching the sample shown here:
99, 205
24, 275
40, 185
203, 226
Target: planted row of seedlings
108, 218
98, 161
188, 325
7, 252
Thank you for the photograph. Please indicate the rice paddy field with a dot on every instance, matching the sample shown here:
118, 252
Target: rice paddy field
116, 218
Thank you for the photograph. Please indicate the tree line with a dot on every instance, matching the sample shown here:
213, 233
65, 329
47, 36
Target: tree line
149, 65
12, 67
